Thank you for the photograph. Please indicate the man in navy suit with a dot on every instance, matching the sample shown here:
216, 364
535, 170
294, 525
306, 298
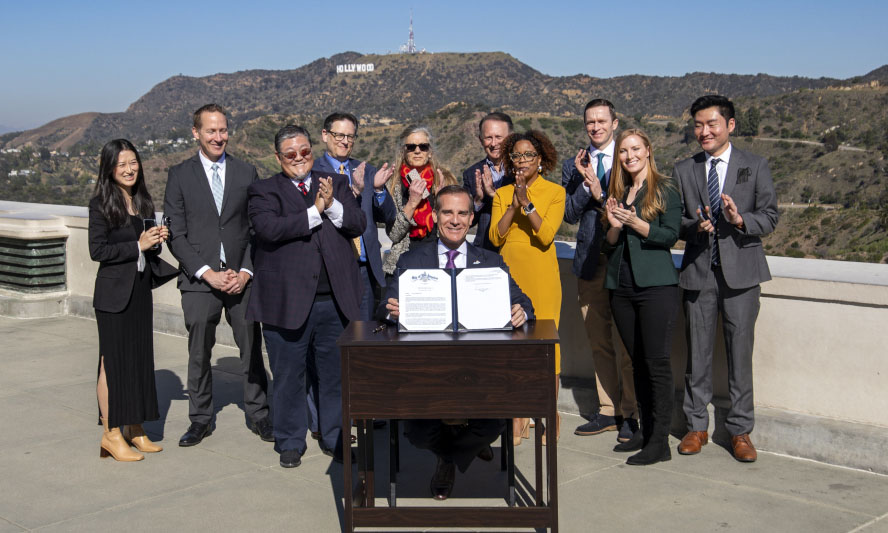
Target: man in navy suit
585, 179
339, 135
206, 200
455, 442
306, 289
486, 176
729, 204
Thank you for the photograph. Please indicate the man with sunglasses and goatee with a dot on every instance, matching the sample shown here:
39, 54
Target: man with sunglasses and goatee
306, 289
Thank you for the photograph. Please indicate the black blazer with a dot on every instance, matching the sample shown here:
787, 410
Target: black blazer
117, 251
482, 217
426, 256
289, 254
580, 208
197, 229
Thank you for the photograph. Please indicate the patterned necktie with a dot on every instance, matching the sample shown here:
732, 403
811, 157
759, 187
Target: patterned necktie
600, 171
341, 168
218, 191
714, 206
451, 256
302, 188
356, 241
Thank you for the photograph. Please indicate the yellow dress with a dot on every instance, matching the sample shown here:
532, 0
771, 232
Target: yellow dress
531, 255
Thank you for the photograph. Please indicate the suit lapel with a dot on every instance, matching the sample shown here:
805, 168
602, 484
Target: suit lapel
203, 184
290, 192
473, 256
230, 176
700, 179
733, 164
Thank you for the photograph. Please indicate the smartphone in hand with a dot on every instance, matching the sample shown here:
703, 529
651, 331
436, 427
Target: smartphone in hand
147, 224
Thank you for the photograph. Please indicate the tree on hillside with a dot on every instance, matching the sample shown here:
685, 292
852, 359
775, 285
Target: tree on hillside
748, 122
830, 141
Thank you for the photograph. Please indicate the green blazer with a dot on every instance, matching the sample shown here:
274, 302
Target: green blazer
649, 258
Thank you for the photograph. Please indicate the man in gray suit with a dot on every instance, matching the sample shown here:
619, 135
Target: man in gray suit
206, 200
585, 179
729, 203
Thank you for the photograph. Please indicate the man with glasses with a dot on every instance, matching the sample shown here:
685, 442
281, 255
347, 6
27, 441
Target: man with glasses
206, 200
585, 179
307, 287
486, 176
339, 135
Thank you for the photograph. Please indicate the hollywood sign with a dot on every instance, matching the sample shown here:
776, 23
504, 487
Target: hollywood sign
354, 67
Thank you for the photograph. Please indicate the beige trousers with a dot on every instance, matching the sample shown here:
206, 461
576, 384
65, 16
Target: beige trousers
613, 368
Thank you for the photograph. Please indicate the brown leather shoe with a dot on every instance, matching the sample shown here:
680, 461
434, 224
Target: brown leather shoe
744, 451
692, 442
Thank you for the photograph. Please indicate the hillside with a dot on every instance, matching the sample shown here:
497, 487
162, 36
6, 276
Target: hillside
826, 145
404, 88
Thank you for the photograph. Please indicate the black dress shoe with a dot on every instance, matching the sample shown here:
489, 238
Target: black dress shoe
264, 429
442, 480
650, 455
634, 443
337, 455
196, 433
486, 453
291, 458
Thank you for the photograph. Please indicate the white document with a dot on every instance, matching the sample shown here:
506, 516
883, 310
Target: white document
483, 300
425, 300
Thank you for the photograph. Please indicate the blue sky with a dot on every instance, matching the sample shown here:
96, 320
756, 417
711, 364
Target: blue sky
58, 57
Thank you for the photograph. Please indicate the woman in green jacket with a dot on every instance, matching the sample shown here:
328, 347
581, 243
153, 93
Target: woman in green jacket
643, 215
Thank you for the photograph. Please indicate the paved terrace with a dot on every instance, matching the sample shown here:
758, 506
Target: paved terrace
53, 478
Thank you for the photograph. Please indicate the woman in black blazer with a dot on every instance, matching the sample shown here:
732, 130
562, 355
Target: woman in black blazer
129, 268
643, 215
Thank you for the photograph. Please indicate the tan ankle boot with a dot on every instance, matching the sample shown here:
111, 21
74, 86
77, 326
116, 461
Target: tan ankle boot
136, 436
113, 444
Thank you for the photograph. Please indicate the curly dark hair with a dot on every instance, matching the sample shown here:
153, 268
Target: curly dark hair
542, 145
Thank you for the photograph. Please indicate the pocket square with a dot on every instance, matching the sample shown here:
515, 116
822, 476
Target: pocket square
743, 175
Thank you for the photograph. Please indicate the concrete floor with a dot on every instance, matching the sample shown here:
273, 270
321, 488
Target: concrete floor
53, 479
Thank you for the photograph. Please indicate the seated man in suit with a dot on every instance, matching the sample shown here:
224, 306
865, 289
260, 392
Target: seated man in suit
306, 288
454, 442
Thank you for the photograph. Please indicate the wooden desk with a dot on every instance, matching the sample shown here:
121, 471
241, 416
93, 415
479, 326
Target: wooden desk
500, 374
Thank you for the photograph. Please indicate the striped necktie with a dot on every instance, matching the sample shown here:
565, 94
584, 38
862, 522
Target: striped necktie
714, 206
218, 191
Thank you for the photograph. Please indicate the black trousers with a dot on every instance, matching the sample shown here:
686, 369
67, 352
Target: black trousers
645, 318
459, 444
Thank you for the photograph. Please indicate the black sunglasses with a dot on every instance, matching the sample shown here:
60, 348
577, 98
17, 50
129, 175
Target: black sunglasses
423, 147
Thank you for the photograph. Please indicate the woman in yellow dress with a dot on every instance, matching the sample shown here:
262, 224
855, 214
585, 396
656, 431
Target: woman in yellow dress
523, 223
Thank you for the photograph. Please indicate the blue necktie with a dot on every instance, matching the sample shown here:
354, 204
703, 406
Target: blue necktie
714, 206
218, 191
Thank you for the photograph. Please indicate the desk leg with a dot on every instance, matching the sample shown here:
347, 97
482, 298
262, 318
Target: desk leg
552, 474
508, 451
370, 493
394, 452
538, 459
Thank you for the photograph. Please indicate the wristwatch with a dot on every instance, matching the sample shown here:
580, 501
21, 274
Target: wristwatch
529, 209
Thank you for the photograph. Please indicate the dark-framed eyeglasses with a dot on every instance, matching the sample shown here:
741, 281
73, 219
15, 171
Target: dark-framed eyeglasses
516, 156
423, 147
292, 157
340, 136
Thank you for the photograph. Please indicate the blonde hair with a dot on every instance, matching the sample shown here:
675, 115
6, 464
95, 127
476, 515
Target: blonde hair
654, 202
443, 176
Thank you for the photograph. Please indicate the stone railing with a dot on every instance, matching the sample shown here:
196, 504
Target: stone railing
821, 376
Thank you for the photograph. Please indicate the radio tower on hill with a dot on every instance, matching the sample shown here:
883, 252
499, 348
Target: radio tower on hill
410, 47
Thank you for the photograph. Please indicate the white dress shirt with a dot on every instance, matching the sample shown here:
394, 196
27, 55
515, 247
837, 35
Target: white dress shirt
608, 162
721, 167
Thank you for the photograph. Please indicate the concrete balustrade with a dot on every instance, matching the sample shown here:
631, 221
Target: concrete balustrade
821, 374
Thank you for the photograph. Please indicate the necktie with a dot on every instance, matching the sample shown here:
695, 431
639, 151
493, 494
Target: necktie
451, 256
302, 188
714, 205
356, 242
600, 171
218, 191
